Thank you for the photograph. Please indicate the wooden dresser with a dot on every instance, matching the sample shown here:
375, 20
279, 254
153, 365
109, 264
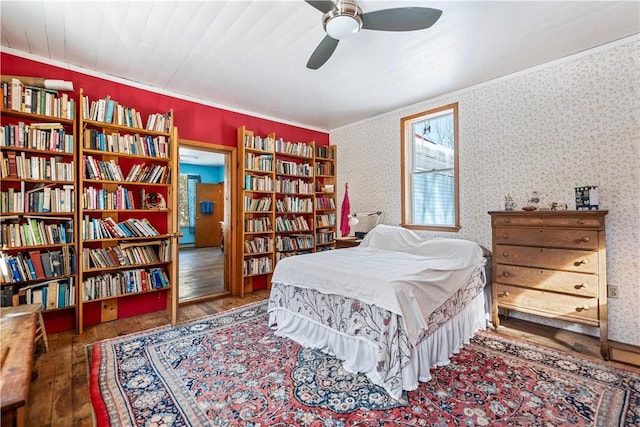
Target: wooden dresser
551, 264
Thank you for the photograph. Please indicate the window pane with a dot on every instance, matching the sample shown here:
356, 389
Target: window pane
429, 168
433, 199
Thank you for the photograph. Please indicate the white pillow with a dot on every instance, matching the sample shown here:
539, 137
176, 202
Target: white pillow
442, 252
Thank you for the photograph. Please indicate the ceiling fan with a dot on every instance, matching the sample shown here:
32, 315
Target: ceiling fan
343, 19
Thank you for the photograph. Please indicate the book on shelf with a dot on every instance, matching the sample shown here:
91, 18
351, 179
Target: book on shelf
31, 269
36, 259
28, 105
63, 294
56, 263
46, 264
46, 125
12, 164
51, 301
6, 296
52, 294
110, 107
16, 94
40, 82
5, 273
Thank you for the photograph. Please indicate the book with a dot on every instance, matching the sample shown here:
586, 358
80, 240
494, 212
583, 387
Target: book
63, 294
36, 297
36, 259
5, 94
4, 172
32, 270
12, 164
108, 117
28, 105
71, 292
46, 264
6, 296
112, 257
52, 296
16, 94
64, 106
5, 273
90, 138
15, 270
144, 286
46, 125
102, 106
56, 263
46, 200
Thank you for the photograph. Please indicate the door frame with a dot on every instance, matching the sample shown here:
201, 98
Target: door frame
230, 207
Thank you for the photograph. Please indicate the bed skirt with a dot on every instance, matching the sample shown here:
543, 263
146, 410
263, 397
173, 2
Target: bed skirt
359, 355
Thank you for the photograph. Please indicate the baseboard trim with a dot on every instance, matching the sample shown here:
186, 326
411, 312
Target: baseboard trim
625, 353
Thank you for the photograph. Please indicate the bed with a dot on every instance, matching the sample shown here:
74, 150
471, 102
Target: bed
391, 308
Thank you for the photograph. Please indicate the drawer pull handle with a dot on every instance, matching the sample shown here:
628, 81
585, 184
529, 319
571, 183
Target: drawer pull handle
507, 220
503, 294
582, 221
582, 262
505, 236
582, 286
505, 274
505, 254
585, 239
583, 308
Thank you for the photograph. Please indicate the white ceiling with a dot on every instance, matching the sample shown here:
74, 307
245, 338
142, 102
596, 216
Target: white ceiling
251, 56
193, 156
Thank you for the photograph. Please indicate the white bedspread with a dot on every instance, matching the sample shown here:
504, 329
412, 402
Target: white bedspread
411, 285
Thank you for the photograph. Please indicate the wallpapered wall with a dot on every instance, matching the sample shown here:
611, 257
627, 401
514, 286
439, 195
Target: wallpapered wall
564, 124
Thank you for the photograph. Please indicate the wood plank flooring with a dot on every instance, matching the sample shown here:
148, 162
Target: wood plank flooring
60, 394
201, 273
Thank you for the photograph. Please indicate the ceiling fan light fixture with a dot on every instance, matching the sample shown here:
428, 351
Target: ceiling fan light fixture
344, 21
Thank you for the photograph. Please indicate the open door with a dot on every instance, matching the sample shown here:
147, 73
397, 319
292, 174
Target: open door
210, 215
207, 255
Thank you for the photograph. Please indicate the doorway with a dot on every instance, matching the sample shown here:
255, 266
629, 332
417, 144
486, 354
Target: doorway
204, 209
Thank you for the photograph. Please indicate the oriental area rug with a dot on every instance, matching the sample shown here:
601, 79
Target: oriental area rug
229, 369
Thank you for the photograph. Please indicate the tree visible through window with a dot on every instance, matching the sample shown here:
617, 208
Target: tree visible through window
430, 169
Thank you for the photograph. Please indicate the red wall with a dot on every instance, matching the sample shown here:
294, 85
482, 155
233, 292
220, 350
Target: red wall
194, 121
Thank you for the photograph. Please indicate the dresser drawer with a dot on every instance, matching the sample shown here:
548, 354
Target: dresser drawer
569, 239
557, 259
566, 220
549, 304
585, 285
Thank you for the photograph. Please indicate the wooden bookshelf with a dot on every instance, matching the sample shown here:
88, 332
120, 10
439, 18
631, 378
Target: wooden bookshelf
295, 196
286, 206
325, 211
38, 215
256, 177
127, 212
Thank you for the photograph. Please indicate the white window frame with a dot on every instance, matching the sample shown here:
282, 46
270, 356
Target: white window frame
408, 170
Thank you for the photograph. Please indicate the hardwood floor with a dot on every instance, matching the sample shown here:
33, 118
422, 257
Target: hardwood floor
59, 396
201, 273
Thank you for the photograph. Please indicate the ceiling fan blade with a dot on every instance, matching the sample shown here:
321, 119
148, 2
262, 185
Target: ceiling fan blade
323, 6
322, 53
401, 19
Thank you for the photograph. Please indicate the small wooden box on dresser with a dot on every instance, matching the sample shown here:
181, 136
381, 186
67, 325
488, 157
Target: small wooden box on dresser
551, 264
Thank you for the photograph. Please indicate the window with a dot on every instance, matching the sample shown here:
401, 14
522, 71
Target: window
430, 169
187, 200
